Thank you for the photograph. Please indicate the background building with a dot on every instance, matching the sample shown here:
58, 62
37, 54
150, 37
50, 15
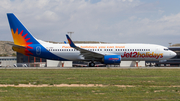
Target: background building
7, 61
30, 61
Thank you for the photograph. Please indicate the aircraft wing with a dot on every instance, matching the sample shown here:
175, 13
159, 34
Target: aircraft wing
86, 53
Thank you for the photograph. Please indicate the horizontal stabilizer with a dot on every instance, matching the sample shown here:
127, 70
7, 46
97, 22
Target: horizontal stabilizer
18, 46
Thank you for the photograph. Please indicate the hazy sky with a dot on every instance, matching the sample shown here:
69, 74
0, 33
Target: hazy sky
115, 21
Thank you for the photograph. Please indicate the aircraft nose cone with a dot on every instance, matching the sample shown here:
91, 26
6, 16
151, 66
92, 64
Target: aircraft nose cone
173, 54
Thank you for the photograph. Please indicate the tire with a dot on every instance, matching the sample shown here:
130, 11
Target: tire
91, 64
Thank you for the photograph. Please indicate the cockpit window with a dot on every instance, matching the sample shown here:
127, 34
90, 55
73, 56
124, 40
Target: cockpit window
166, 49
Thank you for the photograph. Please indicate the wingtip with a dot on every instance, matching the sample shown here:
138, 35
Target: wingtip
9, 14
67, 36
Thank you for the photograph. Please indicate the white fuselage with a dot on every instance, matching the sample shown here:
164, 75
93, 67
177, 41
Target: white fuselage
128, 52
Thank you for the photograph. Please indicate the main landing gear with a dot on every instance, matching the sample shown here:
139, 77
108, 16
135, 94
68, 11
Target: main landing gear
91, 64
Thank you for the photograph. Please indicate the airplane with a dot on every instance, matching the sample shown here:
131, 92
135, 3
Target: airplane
27, 44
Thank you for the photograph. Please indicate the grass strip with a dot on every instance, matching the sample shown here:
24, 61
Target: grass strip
92, 93
146, 77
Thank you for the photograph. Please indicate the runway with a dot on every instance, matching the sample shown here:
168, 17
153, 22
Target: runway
89, 67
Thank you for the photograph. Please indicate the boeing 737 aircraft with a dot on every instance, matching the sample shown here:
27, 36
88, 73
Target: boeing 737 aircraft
27, 44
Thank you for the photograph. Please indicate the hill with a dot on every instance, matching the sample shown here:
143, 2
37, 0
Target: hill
5, 49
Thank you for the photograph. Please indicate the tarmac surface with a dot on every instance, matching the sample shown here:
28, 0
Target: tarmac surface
89, 67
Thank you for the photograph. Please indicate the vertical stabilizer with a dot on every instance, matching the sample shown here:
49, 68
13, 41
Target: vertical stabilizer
21, 35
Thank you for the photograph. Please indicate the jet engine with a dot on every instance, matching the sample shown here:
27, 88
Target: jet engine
112, 59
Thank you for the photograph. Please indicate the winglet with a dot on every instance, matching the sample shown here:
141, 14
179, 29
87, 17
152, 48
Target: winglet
70, 41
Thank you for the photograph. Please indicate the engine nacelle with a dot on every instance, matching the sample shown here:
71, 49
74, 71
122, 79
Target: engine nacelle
112, 59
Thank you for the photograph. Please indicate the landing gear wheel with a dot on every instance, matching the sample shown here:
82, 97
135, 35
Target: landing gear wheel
91, 64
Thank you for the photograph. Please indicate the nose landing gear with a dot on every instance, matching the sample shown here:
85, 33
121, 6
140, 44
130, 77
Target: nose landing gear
91, 64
